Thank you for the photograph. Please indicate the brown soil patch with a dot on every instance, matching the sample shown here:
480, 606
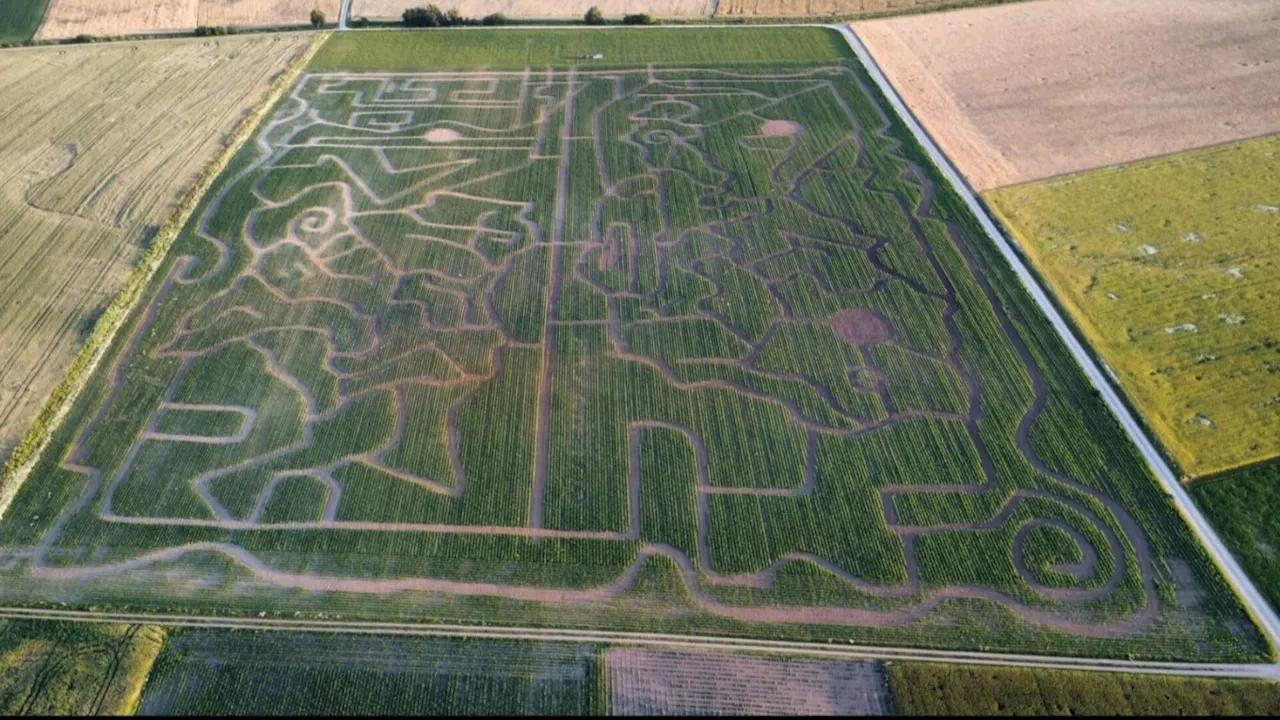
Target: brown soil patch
540, 9
861, 327
821, 8
1027, 91
781, 128
443, 135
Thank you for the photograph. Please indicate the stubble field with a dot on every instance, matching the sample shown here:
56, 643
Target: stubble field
1027, 91
96, 145
1170, 267
69, 18
697, 347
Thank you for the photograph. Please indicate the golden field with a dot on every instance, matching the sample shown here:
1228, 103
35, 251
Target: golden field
69, 18
97, 143
1171, 267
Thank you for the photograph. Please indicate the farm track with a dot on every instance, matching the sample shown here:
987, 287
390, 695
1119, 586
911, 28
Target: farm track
696, 574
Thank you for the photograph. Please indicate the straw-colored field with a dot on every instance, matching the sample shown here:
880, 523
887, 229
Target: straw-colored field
1032, 90
68, 18
539, 9
822, 8
96, 145
1171, 267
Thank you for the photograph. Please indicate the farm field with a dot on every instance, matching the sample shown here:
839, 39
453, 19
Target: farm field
97, 144
968, 691
208, 672
1086, 83
540, 9
69, 18
819, 9
51, 668
664, 347
1244, 507
1171, 270
19, 19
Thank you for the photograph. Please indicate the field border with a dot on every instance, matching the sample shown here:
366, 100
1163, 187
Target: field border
1254, 602
27, 453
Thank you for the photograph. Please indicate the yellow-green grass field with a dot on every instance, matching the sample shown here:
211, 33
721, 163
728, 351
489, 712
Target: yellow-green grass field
1171, 268
55, 668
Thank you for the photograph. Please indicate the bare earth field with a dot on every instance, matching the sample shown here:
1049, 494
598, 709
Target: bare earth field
1028, 91
540, 9
96, 145
68, 18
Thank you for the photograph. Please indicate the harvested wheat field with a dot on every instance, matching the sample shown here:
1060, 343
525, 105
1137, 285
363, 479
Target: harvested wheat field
823, 8
96, 145
540, 9
1171, 268
1029, 91
68, 18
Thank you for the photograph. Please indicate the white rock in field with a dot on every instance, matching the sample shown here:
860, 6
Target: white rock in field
1231, 319
1236, 273
1184, 327
1267, 208
1209, 296
1202, 420
1121, 227
1193, 238
1205, 357
1112, 297
1148, 249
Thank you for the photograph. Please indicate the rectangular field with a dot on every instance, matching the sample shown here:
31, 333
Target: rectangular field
19, 19
69, 18
540, 9
1171, 269
1031, 90
668, 347
97, 144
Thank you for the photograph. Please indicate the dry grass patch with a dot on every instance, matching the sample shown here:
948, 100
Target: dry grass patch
96, 145
821, 8
1032, 90
1172, 269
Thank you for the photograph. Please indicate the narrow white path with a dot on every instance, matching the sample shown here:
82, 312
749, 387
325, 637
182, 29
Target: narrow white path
1253, 600
344, 14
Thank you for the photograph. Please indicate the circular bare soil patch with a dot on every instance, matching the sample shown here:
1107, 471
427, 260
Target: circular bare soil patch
781, 128
443, 135
861, 327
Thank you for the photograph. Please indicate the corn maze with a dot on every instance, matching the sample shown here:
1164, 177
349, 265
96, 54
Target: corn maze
535, 338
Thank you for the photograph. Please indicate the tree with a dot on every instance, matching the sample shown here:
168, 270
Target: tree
429, 16
494, 19
317, 17
594, 16
639, 19
454, 18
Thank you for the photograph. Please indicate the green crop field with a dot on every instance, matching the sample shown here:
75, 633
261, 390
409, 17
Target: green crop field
208, 672
1244, 508
19, 19
967, 691
659, 347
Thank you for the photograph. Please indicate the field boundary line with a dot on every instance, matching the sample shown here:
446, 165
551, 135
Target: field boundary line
1253, 600
30, 449
834, 651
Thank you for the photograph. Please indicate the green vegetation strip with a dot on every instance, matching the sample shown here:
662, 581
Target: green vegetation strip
19, 19
19, 464
388, 51
929, 689
1244, 508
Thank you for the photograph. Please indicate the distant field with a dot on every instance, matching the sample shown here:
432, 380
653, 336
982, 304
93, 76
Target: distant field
52, 668
689, 345
1031, 90
391, 51
540, 9
96, 145
818, 9
1244, 508
19, 19
69, 18
1172, 269
958, 690
299, 674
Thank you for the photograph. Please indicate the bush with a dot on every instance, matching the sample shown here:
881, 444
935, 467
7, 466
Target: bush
594, 16
317, 18
494, 19
85, 39
640, 19
211, 30
432, 16
358, 22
